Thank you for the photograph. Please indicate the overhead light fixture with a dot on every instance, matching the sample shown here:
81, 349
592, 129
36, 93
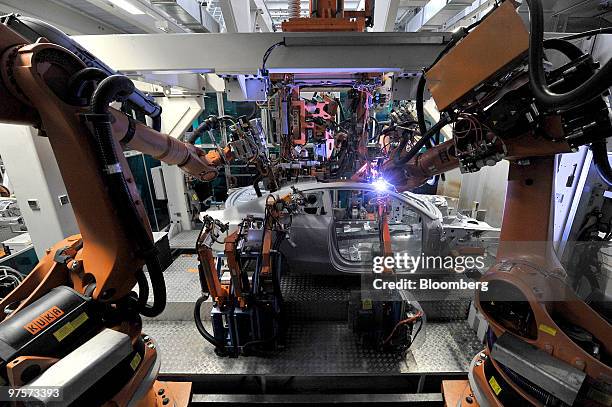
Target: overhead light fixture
127, 6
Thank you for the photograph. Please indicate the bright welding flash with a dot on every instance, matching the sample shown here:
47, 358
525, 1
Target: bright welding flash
381, 185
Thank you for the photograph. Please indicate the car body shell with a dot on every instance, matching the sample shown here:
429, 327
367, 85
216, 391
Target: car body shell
313, 245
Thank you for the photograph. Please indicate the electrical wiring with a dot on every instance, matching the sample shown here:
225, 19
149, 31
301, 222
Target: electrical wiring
408, 320
267, 55
590, 33
422, 80
9, 278
584, 93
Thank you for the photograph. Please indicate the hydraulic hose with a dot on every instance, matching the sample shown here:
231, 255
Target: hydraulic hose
200, 325
119, 87
568, 49
444, 120
420, 95
210, 123
599, 148
600, 159
591, 88
87, 74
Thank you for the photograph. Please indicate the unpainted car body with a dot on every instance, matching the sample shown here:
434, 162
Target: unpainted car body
338, 230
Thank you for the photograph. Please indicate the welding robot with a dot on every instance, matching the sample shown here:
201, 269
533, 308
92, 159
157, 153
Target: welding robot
544, 346
75, 322
76, 318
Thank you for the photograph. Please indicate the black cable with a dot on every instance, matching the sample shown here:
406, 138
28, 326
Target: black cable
398, 160
219, 347
591, 88
143, 289
420, 95
76, 81
566, 48
590, 33
417, 332
600, 159
119, 87
267, 55
211, 122
599, 148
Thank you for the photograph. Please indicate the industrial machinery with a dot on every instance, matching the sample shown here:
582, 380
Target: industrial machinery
76, 314
74, 321
247, 311
247, 299
544, 346
247, 143
322, 137
389, 321
329, 15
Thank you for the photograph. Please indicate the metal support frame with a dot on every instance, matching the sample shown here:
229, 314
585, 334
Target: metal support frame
578, 191
237, 16
221, 112
242, 53
178, 114
435, 13
264, 18
385, 13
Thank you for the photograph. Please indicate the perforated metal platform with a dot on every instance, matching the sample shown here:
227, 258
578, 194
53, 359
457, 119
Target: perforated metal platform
318, 339
316, 298
316, 348
184, 240
306, 297
182, 289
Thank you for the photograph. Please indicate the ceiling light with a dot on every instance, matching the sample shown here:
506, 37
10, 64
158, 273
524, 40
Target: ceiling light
127, 6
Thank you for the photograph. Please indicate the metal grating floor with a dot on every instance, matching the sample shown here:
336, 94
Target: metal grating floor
318, 342
182, 289
312, 349
182, 281
184, 240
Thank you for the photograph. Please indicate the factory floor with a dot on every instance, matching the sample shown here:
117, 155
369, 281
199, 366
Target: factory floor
320, 349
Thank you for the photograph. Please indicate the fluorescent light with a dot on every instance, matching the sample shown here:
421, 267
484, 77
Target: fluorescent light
127, 6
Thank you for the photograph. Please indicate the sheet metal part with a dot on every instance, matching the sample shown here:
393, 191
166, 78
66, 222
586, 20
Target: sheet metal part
551, 374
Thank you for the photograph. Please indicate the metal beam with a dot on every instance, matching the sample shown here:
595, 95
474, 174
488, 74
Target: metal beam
189, 13
435, 14
385, 14
265, 18
65, 18
243, 53
150, 21
237, 15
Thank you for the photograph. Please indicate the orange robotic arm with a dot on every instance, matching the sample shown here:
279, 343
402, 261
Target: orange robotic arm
497, 113
105, 261
170, 150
